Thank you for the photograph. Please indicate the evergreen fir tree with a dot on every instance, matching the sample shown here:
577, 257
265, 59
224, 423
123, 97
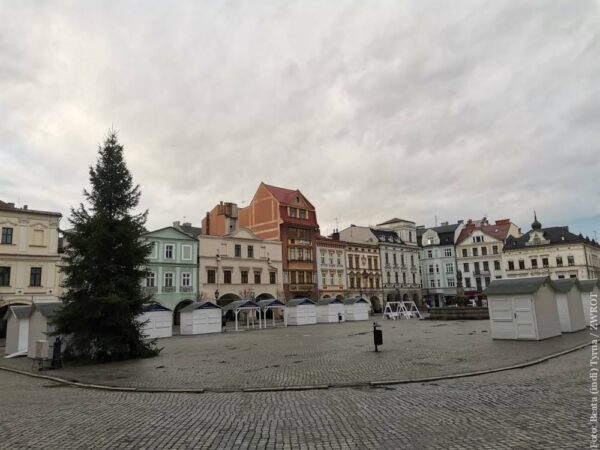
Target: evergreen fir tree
104, 267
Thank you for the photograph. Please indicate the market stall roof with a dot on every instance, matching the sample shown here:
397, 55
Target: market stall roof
588, 285
328, 301
270, 302
564, 285
20, 311
47, 309
155, 306
299, 301
351, 301
240, 304
515, 286
203, 305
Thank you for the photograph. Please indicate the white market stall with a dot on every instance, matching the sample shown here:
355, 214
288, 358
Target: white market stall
356, 309
523, 308
330, 310
201, 318
247, 308
570, 307
17, 330
588, 289
272, 304
301, 311
39, 328
157, 321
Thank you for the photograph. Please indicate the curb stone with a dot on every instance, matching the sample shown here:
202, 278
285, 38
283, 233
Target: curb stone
103, 387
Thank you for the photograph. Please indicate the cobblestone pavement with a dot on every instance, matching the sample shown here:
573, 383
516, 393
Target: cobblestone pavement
541, 407
317, 354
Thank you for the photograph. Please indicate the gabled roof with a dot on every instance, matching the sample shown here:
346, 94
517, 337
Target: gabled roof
588, 285
298, 302
155, 306
203, 305
516, 286
328, 301
192, 231
270, 302
183, 233
445, 233
351, 301
394, 220
286, 196
19, 311
554, 236
564, 285
47, 309
6, 207
498, 231
240, 304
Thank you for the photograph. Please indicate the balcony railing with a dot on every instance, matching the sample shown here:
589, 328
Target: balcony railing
187, 289
301, 287
150, 289
168, 289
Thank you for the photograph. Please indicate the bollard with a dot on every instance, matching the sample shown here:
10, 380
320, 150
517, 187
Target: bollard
56, 354
377, 336
340, 317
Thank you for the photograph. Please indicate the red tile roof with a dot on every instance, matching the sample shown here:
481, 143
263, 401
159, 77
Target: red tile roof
285, 196
499, 230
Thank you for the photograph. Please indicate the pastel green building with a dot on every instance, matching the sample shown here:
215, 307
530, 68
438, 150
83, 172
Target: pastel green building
173, 267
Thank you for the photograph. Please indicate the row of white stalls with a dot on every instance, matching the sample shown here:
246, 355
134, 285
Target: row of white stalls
26, 325
538, 308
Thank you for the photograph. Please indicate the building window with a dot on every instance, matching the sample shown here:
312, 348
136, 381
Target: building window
465, 252
476, 267
402, 259
322, 257
300, 277
495, 249
377, 283
169, 251
395, 259
272, 278
302, 213
429, 254
432, 283
475, 252
449, 268
4, 276
483, 251
466, 267
292, 276
559, 261
238, 251
486, 266
467, 282
244, 276
250, 251
496, 265
545, 262
387, 258
511, 265
186, 252
7, 235
521, 264
35, 276
571, 260
448, 252
168, 279
293, 212
150, 280
397, 280
534, 263
487, 281
324, 279
186, 279
572, 276
389, 277
431, 269
351, 282
560, 277
257, 279
227, 276
437, 268
339, 259
210, 276
414, 277
404, 277
451, 282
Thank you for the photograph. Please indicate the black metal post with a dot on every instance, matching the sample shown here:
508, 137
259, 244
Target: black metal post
377, 336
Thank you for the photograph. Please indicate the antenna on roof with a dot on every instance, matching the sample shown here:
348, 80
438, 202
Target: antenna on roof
336, 223
435, 219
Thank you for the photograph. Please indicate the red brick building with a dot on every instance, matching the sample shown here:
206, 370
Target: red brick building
287, 216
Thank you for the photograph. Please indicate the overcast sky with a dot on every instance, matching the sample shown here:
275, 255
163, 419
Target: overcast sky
373, 109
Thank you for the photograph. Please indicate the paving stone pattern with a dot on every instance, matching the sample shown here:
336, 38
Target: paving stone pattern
317, 354
540, 407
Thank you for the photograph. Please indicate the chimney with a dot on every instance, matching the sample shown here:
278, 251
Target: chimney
460, 221
187, 224
335, 235
25, 207
207, 227
444, 224
176, 224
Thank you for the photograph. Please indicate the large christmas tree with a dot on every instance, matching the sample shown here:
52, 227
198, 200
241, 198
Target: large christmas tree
104, 267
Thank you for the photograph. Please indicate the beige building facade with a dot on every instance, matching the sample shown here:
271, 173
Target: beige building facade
29, 255
239, 265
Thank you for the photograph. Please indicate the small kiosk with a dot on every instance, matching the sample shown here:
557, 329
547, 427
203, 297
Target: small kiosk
39, 328
356, 309
523, 308
570, 307
17, 330
329, 309
272, 304
588, 288
157, 321
248, 308
301, 311
201, 318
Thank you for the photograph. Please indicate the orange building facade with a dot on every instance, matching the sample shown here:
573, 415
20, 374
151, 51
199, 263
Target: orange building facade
286, 215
